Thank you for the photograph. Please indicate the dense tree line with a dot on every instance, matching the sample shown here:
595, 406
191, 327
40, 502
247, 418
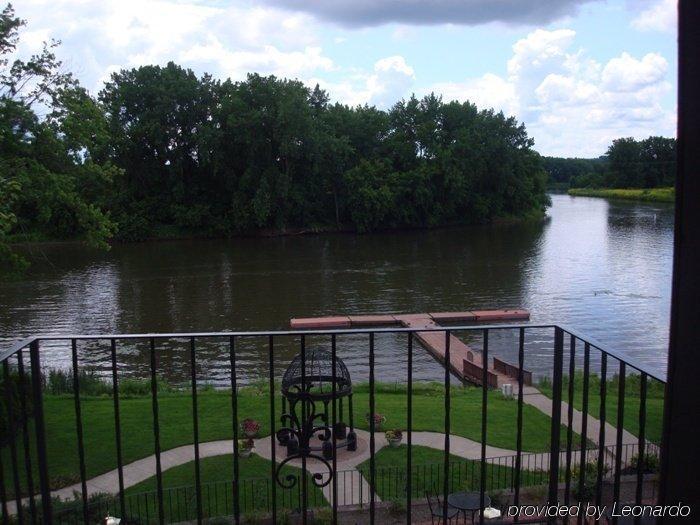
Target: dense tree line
628, 163
161, 150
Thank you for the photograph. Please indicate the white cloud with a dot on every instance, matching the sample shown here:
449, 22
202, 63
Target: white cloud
539, 50
265, 60
661, 16
488, 91
223, 39
627, 74
570, 103
391, 80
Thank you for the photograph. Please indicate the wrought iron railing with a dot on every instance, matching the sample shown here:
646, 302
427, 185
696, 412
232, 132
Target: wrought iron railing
25, 472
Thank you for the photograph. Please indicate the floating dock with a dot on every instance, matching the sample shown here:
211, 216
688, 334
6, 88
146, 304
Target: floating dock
465, 363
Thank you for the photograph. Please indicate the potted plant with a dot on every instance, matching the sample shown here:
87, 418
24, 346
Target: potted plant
378, 420
245, 447
250, 427
394, 437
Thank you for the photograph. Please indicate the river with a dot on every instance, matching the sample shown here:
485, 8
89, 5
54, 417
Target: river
601, 267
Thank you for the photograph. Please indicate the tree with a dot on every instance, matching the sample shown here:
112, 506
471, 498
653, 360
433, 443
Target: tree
624, 162
43, 168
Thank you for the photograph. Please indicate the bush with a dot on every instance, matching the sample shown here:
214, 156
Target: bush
323, 516
18, 414
650, 464
590, 482
91, 383
397, 508
71, 511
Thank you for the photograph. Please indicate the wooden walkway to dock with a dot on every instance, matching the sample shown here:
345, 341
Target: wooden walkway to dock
465, 363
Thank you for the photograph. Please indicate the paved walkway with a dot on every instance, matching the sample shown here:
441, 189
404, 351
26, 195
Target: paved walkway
537, 399
353, 489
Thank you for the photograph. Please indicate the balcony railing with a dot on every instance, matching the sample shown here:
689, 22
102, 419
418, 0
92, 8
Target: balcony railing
584, 381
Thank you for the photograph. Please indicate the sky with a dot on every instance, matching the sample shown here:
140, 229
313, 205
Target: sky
578, 73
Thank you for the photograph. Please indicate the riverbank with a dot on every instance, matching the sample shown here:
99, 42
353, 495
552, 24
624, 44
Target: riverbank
165, 232
635, 194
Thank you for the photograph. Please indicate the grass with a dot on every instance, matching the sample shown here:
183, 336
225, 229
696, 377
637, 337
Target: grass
427, 466
217, 472
654, 402
180, 500
215, 423
635, 194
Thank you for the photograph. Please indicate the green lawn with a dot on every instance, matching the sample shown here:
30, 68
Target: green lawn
427, 473
217, 490
654, 402
215, 423
179, 494
635, 194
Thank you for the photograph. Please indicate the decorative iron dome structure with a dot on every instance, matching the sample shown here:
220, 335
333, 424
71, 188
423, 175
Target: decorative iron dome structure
314, 375
311, 379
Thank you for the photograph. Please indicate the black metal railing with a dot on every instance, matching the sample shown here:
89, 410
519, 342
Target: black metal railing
27, 480
393, 485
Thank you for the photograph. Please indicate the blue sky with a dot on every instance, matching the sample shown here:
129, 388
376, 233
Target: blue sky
578, 73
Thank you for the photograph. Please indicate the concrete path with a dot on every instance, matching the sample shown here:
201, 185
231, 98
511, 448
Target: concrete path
353, 489
537, 399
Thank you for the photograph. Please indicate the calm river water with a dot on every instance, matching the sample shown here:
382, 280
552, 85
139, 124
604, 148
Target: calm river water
602, 267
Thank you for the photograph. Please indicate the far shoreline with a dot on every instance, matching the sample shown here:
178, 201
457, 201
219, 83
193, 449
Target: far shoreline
266, 233
665, 195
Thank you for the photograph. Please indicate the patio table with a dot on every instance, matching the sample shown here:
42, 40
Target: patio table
467, 501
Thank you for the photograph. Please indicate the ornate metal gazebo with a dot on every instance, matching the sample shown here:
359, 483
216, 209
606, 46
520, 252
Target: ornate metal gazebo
310, 386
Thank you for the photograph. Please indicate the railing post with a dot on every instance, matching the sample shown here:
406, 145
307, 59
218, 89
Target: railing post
519, 438
372, 464
484, 414
446, 452
303, 442
40, 429
641, 452
570, 418
11, 435
556, 416
117, 426
334, 421
409, 437
79, 431
583, 461
195, 428
601, 433
273, 452
620, 430
156, 430
234, 421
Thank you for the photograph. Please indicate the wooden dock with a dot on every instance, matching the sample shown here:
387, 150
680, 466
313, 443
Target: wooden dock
465, 363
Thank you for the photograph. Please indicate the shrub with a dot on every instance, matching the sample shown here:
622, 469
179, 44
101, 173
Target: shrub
589, 485
18, 414
60, 381
323, 516
649, 465
397, 508
71, 511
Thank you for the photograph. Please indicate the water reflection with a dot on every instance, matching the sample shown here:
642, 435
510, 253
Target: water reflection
604, 268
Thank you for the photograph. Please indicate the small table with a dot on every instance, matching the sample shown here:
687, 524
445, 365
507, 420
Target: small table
467, 501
